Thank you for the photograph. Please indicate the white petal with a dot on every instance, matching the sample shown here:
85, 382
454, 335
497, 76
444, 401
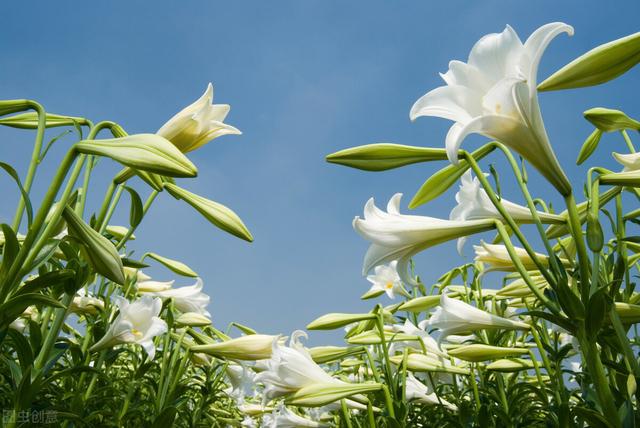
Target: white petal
462, 74
457, 103
393, 207
497, 55
536, 45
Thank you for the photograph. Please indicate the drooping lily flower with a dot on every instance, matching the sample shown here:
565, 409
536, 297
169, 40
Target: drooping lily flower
454, 317
386, 279
187, 299
396, 236
198, 123
282, 417
290, 369
137, 322
429, 343
474, 204
418, 392
494, 94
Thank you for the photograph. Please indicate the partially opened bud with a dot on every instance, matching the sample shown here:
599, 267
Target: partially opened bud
216, 213
149, 286
147, 152
193, 319
174, 265
480, 352
510, 365
335, 320
609, 120
251, 347
29, 120
98, 250
597, 66
383, 156
320, 394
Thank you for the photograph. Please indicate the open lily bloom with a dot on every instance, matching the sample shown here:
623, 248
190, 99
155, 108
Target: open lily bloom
187, 299
137, 322
291, 368
494, 94
242, 382
454, 317
418, 392
396, 236
282, 417
386, 278
198, 123
474, 204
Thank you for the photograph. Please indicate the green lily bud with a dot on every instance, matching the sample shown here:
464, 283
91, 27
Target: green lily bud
372, 294
335, 320
383, 156
427, 363
320, 394
372, 337
589, 146
173, 265
420, 304
599, 65
595, 237
609, 120
119, 232
98, 250
325, 354
478, 352
510, 365
351, 362
625, 178
216, 213
13, 106
29, 120
252, 347
193, 319
147, 152
628, 313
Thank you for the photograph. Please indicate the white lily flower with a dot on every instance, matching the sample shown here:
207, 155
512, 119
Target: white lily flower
396, 236
291, 368
630, 161
429, 343
20, 323
85, 303
198, 123
454, 317
386, 279
187, 299
494, 94
418, 392
248, 422
282, 417
474, 204
137, 322
242, 381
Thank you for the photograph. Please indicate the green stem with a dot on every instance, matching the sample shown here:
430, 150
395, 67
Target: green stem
35, 161
575, 228
345, 413
145, 208
50, 339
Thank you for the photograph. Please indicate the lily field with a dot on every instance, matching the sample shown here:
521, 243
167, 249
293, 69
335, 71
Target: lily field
537, 329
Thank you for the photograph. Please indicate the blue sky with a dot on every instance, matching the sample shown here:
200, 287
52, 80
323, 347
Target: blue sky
304, 79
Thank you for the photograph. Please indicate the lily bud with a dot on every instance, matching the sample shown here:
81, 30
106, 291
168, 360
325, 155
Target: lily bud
13, 106
510, 365
372, 337
335, 320
478, 352
29, 120
608, 120
98, 250
595, 237
383, 156
251, 347
148, 286
119, 232
597, 66
325, 354
628, 313
216, 213
589, 145
320, 394
428, 363
420, 304
147, 152
193, 319
174, 265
